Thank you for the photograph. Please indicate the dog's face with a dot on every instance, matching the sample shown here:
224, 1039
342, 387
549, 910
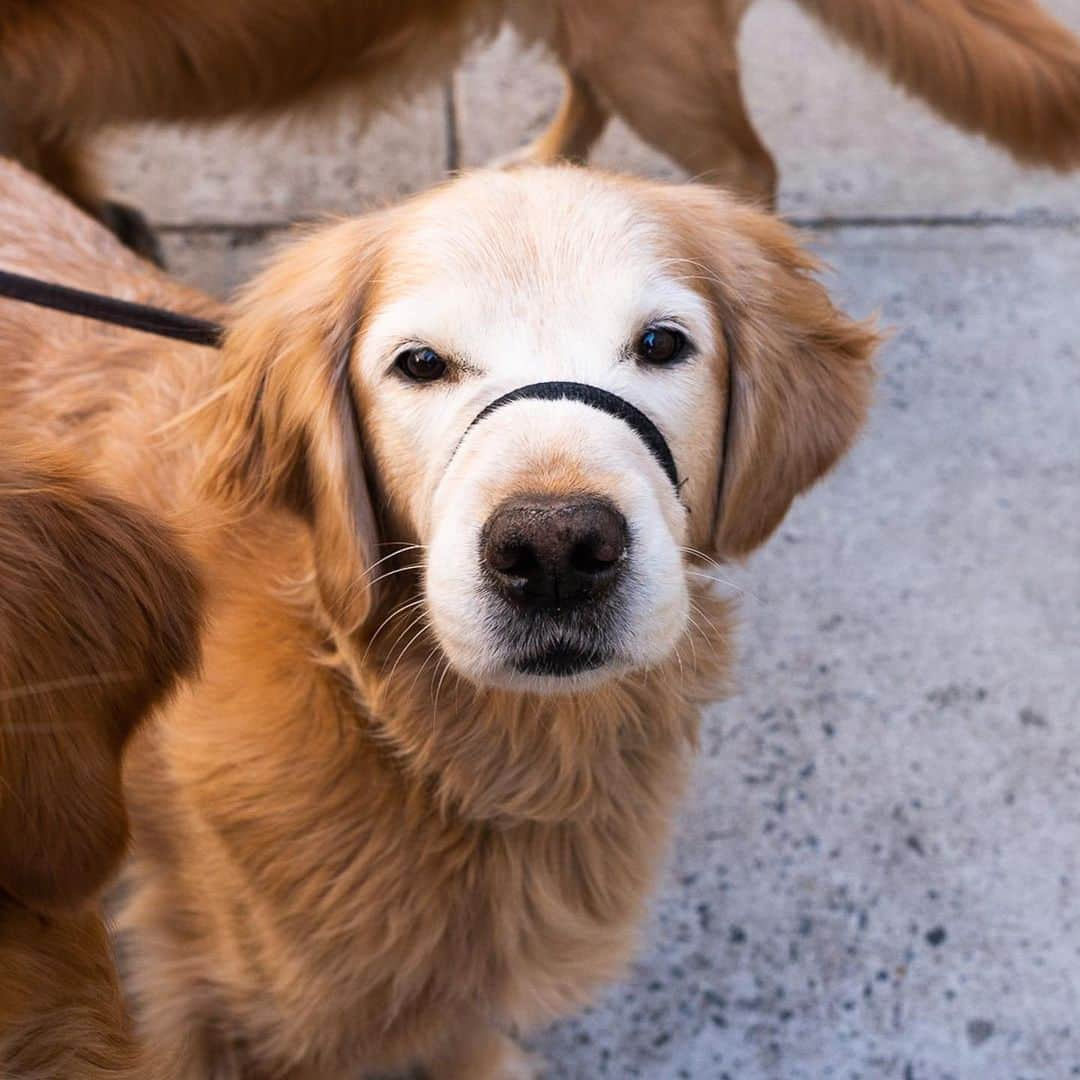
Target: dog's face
553, 537
557, 550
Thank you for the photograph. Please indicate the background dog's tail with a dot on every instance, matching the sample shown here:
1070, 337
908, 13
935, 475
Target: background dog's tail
1002, 68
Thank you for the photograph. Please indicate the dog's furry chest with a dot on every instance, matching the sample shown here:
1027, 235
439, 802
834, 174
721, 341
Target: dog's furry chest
518, 926
343, 906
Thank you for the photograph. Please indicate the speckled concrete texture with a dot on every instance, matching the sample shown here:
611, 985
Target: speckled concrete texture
878, 871
877, 874
338, 159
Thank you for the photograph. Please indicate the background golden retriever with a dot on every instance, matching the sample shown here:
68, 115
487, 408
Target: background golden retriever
1001, 68
98, 618
411, 805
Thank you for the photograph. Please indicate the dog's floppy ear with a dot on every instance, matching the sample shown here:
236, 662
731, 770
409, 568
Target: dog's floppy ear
799, 372
287, 425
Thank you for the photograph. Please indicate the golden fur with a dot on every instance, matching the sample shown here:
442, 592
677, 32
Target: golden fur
1001, 68
347, 856
98, 616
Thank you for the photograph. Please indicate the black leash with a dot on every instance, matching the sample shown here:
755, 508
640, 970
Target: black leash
150, 320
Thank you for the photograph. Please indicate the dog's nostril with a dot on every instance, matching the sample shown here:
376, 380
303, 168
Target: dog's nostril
514, 560
595, 554
554, 553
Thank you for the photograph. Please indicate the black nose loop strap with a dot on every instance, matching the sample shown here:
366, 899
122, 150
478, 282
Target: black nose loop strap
595, 398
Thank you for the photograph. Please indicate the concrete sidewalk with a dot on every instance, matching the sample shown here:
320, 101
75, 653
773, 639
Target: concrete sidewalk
878, 873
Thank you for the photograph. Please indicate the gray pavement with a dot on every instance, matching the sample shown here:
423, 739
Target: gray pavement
878, 871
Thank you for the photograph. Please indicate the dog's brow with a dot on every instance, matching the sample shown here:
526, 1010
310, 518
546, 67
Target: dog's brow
467, 366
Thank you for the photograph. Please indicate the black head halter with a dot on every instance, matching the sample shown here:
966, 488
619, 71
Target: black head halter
595, 398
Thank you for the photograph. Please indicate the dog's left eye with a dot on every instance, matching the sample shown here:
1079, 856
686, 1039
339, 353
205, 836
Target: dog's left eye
659, 345
421, 365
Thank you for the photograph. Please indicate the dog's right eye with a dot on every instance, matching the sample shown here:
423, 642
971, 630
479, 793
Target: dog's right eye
421, 365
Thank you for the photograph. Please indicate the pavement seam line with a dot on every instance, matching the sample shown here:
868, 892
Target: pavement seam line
978, 221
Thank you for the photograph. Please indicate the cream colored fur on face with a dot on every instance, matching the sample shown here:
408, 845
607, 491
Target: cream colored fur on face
360, 844
561, 295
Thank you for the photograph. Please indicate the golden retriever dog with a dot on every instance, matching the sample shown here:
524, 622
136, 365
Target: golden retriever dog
98, 619
458, 630
1002, 68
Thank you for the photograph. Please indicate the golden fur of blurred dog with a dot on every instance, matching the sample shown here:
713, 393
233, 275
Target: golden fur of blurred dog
348, 854
98, 619
1001, 68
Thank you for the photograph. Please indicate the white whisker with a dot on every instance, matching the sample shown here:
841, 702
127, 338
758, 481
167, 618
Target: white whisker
430, 656
399, 551
712, 624
715, 575
397, 611
422, 617
438, 690
405, 648
391, 573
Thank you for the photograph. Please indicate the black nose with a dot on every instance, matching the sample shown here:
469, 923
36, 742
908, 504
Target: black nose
549, 553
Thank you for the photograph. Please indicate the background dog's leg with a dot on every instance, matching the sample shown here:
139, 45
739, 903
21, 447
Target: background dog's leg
680, 91
67, 166
482, 1053
570, 136
131, 229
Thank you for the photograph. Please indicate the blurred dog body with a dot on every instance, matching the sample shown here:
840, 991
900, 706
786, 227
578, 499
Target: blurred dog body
98, 619
422, 788
1001, 68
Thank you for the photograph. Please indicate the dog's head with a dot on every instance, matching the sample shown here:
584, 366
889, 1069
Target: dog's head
558, 528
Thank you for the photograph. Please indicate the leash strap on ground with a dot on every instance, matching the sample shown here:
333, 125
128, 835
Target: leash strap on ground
134, 316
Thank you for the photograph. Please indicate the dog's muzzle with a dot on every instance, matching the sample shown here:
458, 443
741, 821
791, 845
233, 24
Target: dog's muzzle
557, 566
558, 560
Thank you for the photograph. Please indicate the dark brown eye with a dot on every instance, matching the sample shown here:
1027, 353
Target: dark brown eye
421, 365
658, 345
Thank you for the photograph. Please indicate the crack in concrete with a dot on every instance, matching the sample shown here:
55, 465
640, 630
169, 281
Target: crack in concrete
1022, 220
257, 229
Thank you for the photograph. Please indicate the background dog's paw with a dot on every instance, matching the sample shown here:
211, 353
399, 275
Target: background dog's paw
133, 231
